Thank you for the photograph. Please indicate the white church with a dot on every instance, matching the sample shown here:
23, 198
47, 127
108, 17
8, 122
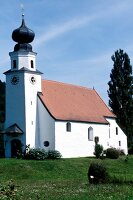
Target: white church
53, 115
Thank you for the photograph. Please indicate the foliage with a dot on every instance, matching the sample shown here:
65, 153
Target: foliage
8, 191
130, 150
2, 102
2, 116
53, 154
35, 154
41, 154
121, 152
112, 153
97, 173
98, 150
121, 91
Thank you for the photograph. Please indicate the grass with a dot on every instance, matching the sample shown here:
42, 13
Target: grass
66, 179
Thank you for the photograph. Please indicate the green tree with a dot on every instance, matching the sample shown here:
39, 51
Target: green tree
2, 102
121, 91
2, 116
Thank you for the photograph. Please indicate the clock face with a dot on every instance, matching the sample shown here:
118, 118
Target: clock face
14, 80
32, 80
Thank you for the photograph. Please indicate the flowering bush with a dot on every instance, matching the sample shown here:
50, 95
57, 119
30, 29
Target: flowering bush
53, 154
36, 154
41, 154
8, 190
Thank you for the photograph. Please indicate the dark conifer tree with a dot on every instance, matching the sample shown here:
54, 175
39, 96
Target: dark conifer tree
2, 117
121, 91
2, 102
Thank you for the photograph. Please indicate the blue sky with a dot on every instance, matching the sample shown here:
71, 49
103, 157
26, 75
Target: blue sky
74, 40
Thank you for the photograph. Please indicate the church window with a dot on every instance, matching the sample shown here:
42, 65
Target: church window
31, 102
32, 64
90, 133
14, 64
119, 143
116, 130
46, 143
68, 127
32, 122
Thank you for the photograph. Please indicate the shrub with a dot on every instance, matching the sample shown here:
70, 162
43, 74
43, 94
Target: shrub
98, 150
35, 154
53, 154
112, 153
121, 152
97, 173
41, 154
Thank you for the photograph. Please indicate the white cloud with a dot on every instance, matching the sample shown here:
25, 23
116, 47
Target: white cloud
80, 21
57, 30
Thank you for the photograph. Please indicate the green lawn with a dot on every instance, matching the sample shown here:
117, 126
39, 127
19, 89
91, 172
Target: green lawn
66, 179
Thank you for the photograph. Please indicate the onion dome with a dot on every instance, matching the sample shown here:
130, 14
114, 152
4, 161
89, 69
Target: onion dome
23, 36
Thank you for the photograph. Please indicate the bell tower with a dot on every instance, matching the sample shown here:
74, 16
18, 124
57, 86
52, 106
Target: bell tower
23, 82
23, 56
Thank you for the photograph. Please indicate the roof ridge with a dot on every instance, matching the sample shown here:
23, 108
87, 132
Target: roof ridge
69, 84
104, 103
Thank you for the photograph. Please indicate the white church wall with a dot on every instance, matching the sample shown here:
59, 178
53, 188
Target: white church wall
31, 90
76, 143
117, 140
45, 127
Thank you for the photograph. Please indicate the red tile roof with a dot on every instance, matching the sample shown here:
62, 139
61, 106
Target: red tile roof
73, 103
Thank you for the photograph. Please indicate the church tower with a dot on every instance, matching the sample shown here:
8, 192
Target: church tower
23, 82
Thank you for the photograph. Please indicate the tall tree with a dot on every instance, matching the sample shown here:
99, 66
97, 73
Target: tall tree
2, 102
121, 91
2, 116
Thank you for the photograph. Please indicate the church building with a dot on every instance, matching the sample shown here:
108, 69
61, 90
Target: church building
53, 115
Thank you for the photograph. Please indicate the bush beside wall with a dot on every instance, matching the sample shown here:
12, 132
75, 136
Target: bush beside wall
41, 154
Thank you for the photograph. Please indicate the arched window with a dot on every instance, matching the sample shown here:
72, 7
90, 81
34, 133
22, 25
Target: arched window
32, 64
90, 133
68, 127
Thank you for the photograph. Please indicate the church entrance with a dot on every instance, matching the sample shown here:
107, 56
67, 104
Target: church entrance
16, 147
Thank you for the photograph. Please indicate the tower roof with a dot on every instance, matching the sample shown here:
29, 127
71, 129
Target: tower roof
23, 36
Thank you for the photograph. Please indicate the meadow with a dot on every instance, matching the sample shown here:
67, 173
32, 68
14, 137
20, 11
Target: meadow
65, 179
